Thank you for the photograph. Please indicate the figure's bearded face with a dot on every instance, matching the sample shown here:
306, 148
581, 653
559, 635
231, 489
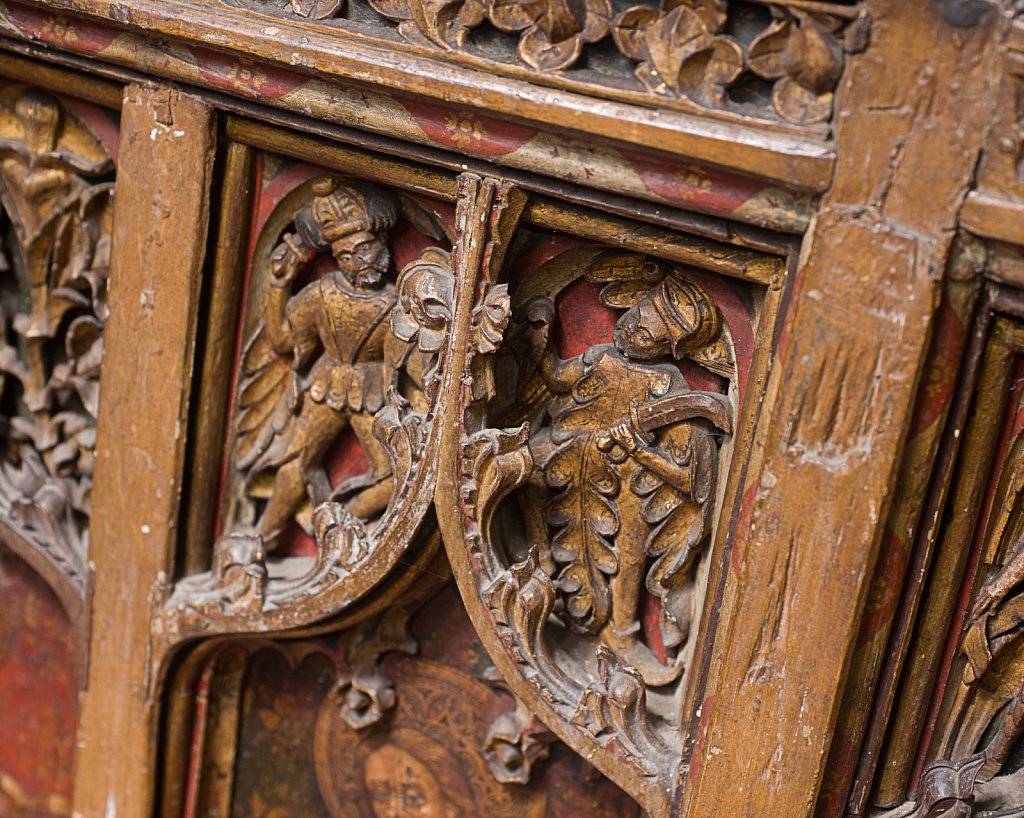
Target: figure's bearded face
363, 258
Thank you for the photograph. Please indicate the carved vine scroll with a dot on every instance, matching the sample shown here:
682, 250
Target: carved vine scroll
341, 348
579, 505
771, 58
56, 194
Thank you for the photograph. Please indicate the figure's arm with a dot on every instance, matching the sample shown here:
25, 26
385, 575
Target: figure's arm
657, 460
686, 459
559, 375
285, 262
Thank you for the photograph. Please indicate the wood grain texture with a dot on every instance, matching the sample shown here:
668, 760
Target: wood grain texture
801, 160
839, 404
158, 249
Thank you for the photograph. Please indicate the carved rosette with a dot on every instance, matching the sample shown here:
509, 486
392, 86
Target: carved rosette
778, 59
344, 346
580, 502
56, 194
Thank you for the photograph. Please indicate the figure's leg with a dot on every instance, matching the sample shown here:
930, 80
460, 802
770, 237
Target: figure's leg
372, 500
318, 426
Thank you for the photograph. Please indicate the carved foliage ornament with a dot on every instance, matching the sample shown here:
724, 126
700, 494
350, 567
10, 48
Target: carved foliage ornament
56, 197
591, 501
680, 49
352, 350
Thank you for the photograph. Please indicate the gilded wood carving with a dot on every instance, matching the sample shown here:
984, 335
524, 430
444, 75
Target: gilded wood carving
956, 732
776, 59
978, 742
351, 349
580, 502
56, 193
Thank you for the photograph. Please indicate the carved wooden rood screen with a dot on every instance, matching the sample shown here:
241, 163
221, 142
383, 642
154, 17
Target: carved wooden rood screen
561, 409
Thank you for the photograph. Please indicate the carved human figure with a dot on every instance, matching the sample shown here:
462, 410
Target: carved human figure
345, 314
630, 456
403, 779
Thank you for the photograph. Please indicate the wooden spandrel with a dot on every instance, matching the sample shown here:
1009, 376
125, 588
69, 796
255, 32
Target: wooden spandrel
513, 409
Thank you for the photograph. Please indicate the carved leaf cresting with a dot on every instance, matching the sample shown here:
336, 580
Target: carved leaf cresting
777, 60
56, 193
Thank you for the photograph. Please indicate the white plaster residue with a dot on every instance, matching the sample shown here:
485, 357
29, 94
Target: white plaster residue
111, 811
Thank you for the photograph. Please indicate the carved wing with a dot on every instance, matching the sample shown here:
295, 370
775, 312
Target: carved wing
268, 399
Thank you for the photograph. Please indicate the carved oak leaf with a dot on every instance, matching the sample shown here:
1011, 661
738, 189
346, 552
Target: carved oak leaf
553, 31
489, 320
446, 23
586, 520
679, 51
803, 55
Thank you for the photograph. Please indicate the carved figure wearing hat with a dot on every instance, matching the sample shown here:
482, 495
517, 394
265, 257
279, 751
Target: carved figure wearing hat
629, 459
336, 332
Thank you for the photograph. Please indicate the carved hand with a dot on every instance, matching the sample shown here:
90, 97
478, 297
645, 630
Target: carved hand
626, 434
286, 260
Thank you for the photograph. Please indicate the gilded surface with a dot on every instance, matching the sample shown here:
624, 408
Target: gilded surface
55, 211
776, 59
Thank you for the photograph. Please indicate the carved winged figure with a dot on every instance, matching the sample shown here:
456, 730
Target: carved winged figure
335, 334
629, 460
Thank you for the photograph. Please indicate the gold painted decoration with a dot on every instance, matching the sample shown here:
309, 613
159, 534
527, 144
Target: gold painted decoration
426, 763
354, 348
56, 195
589, 505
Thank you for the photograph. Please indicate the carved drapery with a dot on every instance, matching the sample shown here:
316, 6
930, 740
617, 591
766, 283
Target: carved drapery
56, 196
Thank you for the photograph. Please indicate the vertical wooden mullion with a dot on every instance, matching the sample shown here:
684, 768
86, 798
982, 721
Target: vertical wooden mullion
210, 422
159, 240
839, 406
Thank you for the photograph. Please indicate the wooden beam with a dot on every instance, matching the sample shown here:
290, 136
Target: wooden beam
159, 243
914, 112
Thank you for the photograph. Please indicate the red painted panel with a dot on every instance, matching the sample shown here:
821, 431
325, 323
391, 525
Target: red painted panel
39, 684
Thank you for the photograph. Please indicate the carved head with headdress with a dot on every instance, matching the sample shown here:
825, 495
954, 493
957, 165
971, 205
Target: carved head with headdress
666, 313
352, 222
